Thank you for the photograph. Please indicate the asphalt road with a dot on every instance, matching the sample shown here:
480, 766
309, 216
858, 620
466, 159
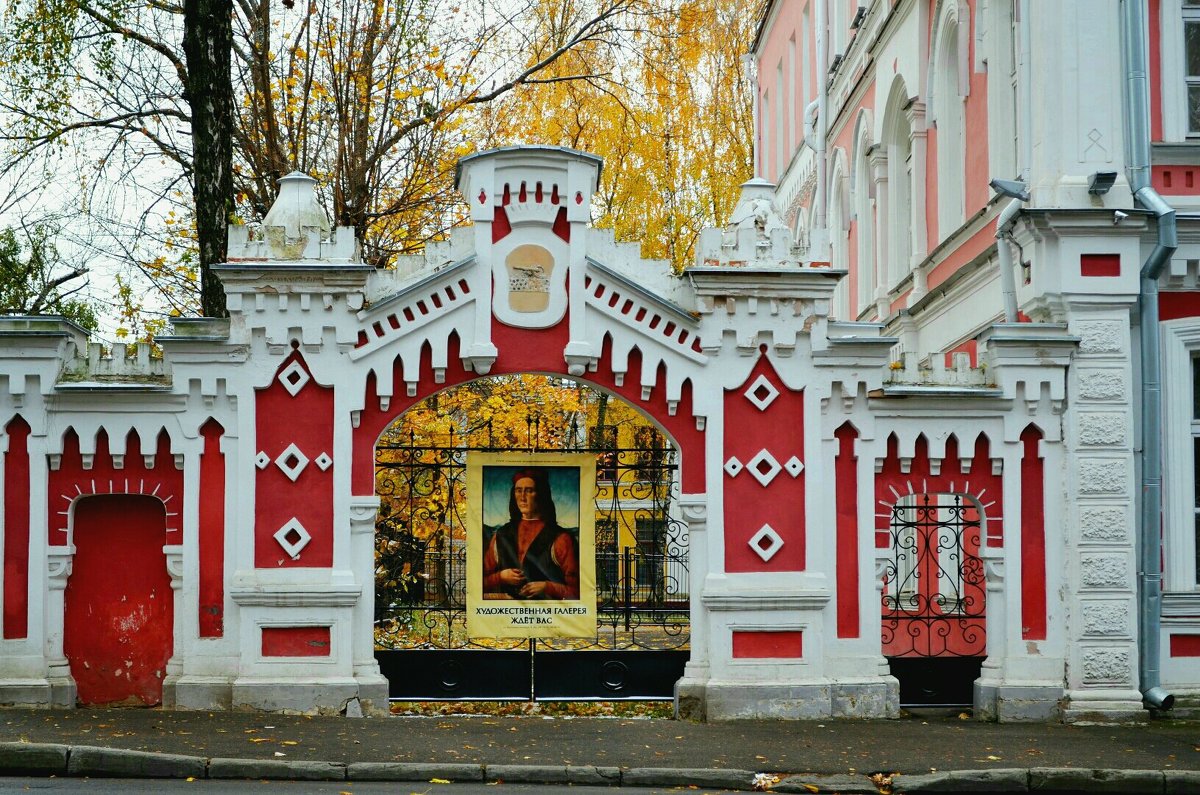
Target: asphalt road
909, 745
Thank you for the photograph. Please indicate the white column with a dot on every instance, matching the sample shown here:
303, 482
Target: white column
58, 670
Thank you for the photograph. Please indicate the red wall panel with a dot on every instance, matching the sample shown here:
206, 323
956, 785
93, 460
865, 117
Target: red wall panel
763, 645
303, 419
16, 530
212, 532
295, 642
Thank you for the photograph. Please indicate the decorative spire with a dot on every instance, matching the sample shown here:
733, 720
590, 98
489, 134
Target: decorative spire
755, 235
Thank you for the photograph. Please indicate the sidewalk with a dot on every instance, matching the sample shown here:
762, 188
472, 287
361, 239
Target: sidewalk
931, 754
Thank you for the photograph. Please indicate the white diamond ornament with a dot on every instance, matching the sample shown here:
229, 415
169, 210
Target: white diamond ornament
283, 536
761, 393
262, 459
794, 466
294, 377
292, 462
766, 542
733, 467
323, 461
763, 467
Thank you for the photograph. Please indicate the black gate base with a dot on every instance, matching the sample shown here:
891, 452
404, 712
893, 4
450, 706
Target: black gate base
489, 675
455, 674
607, 675
936, 681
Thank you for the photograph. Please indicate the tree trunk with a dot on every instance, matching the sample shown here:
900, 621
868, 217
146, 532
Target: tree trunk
208, 45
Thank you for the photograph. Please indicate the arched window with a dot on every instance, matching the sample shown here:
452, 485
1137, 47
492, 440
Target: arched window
839, 223
948, 71
862, 202
897, 137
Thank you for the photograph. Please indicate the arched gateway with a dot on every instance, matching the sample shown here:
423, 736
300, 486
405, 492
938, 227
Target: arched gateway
257, 435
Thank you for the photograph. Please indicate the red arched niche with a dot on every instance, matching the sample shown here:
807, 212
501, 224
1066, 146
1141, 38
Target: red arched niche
119, 608
531, 351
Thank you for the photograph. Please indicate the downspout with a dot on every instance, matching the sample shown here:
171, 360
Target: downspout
822, 130
1008, 275
1023, 110
748, 63
1137, 148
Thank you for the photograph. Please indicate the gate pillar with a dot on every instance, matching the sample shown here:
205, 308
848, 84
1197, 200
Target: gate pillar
769, 565
689, 691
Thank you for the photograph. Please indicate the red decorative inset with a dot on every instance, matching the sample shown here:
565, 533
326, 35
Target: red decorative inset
1175, 305
212, 532
16, 530
482, 196
919, 626
1185, 645
157, 477
1033, 538
524, 351
1107, 265
500, 224
578, 197
561, 227
295, 642
846, 474
119, 606
294, 426
764, 480
786, 644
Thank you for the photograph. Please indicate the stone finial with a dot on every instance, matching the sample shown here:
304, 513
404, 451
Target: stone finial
755, 235
296, 207
756, 208
294, 229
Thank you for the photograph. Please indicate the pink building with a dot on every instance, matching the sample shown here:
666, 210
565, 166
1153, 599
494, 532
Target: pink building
968, 163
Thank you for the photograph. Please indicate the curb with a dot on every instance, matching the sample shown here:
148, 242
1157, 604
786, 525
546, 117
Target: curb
47, 759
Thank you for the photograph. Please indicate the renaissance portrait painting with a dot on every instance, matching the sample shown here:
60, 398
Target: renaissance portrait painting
531, 545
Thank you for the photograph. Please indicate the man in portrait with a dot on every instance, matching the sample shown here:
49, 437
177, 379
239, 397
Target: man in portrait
531, 556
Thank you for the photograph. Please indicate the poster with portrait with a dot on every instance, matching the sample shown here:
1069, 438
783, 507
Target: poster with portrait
531, 545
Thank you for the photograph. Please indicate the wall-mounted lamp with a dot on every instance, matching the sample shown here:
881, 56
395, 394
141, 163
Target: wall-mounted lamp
859, 16
1012, 188
1100, 182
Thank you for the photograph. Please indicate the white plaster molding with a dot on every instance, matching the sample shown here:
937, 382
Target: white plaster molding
295, 595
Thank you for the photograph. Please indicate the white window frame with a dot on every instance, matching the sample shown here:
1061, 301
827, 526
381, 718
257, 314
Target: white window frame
1180, 346
864, 214
1174, 79
947, 84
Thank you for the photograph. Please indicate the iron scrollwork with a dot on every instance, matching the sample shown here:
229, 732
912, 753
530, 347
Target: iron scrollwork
934, 587
421, 548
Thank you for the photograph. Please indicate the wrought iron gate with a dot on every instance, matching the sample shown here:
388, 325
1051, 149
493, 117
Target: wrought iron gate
933, 605
642, 638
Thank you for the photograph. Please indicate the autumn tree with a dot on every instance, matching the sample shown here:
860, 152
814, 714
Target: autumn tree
368, 97
672, 120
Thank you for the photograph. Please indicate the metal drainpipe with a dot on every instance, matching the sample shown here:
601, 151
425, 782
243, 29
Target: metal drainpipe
1137, 148
1008, 275
822, 129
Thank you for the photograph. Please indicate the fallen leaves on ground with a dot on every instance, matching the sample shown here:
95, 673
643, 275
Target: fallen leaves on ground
882, 782
764, 781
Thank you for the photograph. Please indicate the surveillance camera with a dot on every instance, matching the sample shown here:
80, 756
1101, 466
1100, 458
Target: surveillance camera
1012, 188
1119, 216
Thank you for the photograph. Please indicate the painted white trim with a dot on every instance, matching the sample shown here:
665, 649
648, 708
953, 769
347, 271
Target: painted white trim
1180, 341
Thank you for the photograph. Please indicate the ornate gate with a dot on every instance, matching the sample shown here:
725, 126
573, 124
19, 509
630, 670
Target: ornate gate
642, 637
933, 603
